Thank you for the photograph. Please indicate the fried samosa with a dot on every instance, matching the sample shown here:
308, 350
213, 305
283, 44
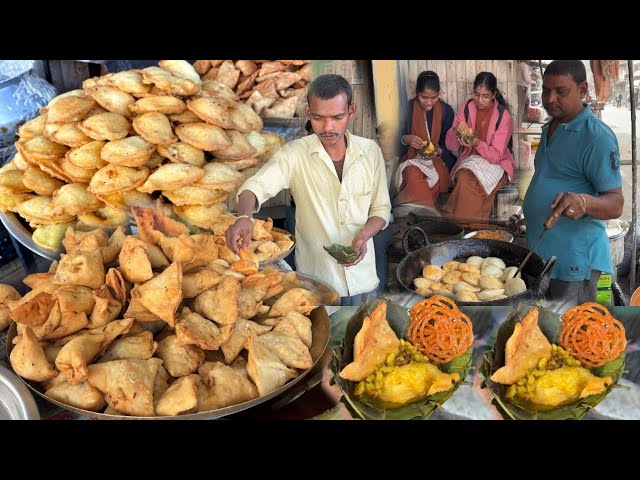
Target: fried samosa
180, 397
73, 358
179, 361
127, 384
28, 358
194, 329
106, 308
61, 323
264, 367
7, 294
526, 346
298, 299
162, 295
235, 344
139, 347
222, 386
221, 304
83, 266
372, 344
286, 344
134, 261
301, 323
82, 395
162, 382
196, 282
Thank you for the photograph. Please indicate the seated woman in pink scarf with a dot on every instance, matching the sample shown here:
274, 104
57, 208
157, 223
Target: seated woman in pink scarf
486, 161
420, 181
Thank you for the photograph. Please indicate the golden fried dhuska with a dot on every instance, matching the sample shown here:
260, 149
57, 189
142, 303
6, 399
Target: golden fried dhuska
394, 372
157, 324
543, 376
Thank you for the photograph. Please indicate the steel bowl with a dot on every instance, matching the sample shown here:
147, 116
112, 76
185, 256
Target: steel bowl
16, 401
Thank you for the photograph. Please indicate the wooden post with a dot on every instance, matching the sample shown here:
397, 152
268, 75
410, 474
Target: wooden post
385, 87
634, 180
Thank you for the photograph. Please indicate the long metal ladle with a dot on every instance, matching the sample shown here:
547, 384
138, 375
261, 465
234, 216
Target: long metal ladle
548, 225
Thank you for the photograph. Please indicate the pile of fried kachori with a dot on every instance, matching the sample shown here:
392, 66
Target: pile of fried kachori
159, 137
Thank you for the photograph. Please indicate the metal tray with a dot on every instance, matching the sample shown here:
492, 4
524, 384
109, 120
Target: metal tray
320, 328
16, 401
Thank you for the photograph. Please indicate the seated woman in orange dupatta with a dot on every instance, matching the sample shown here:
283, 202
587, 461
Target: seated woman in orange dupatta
420, 181
486, 162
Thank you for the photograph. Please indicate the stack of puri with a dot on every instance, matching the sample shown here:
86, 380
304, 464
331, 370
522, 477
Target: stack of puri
158, 323
476, 279
272, 88
159, 137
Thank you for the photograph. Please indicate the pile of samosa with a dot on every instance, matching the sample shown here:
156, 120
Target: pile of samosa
272, 88
158, 323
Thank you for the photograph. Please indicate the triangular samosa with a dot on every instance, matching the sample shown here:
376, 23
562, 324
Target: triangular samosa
265, 368
162, 295
127, 384
526, 346
373, 343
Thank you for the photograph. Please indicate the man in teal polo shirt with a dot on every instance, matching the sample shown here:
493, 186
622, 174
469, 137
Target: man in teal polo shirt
577, 176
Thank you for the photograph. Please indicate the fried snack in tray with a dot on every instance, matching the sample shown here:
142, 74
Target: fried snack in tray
126, 336
136, 138
540, 375
592, 335
213, 217
388, 376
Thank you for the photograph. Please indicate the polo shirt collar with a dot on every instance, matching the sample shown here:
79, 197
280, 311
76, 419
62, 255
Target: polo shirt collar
578, 122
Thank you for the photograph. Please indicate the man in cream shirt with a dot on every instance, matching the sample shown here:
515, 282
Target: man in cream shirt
339, 184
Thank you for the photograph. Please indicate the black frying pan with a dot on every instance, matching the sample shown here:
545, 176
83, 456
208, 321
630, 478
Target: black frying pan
535, 272
428, 232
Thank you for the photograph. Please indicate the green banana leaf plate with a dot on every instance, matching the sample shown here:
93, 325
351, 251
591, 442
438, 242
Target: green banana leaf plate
342, 253
551, 324
466, 138
398, 318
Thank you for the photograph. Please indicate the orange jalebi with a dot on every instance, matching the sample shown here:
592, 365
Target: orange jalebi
591, 335
439, 330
